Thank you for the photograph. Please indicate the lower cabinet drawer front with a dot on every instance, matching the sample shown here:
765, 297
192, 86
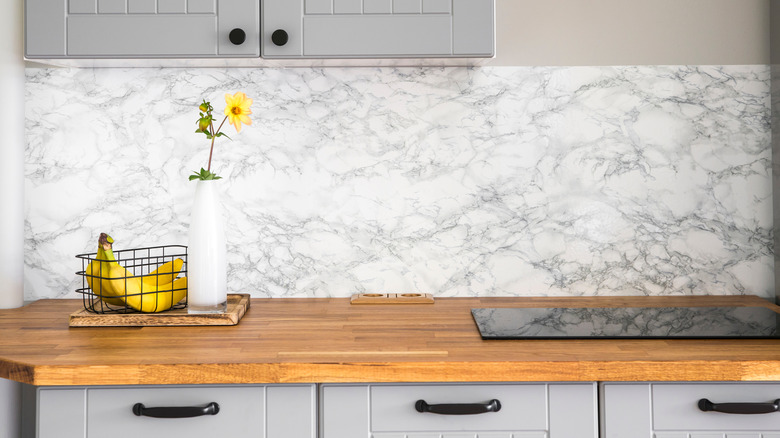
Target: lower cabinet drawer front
109, 412
257, 411
715, 435
466, 435
391, 411
523, 407
675, 408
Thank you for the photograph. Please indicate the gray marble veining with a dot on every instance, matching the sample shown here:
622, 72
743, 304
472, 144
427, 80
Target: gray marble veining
629, 322
451, 181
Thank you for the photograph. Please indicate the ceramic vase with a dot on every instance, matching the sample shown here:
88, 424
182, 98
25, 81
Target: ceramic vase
207, 252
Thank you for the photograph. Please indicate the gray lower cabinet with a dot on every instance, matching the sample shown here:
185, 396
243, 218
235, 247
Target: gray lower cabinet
141, 28
393, 410
378, 28
256, 411
672, 410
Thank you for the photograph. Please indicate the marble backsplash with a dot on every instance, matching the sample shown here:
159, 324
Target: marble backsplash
454, 181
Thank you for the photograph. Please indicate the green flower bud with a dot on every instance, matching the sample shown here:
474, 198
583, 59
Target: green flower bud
203, 124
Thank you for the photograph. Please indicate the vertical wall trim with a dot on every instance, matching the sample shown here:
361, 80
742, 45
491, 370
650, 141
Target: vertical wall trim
11, 190
12, 155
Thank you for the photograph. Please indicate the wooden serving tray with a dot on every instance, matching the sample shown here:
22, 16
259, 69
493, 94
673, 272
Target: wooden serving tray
237, 305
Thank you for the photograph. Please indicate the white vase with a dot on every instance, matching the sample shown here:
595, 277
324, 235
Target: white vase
207, 252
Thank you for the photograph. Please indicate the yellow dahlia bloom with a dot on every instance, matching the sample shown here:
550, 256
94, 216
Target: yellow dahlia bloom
237, 109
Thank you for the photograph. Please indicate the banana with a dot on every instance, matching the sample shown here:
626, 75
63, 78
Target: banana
148, 294
159, 277
164, 274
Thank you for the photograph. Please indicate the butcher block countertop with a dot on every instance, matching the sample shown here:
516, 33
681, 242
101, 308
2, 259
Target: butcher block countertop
330, 340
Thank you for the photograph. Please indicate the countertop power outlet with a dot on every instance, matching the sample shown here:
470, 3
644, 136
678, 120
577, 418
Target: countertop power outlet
405, 298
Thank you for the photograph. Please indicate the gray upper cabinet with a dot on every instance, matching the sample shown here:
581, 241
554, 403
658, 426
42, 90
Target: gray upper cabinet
378, 28
291, 29
141, 28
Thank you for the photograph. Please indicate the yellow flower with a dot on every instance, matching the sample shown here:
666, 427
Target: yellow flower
237, 109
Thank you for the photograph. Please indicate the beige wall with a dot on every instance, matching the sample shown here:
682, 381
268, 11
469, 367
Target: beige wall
775, 31
632, 32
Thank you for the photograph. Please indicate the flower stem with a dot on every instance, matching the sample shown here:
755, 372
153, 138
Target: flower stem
213, 137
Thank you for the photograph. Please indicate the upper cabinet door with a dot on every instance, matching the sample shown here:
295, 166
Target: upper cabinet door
141, 28
315, 29
378, 28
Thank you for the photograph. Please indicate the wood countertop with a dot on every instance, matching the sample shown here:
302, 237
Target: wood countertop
329, 340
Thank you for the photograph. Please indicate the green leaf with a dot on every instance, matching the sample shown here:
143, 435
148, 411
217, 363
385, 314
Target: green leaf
204, 175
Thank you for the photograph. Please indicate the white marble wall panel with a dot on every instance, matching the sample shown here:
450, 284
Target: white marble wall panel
453, 181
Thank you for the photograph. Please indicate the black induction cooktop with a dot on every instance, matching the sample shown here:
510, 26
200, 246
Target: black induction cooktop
627, 323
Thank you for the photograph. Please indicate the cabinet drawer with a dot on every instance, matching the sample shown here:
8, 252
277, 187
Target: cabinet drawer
523, 407
273, 411
110, 412
391, 410
675, 407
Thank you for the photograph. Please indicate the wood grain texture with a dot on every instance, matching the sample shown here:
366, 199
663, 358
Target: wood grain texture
330, 340
236, 308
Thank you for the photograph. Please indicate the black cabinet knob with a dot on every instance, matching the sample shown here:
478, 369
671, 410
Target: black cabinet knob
279, 37
237, 36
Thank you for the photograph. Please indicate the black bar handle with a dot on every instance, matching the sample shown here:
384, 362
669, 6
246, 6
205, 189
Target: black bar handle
739, 408
176, 411
458, 408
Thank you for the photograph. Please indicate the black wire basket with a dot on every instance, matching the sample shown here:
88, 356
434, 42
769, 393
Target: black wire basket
143, 280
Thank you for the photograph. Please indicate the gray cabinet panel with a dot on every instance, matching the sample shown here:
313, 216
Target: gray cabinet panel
142, 35
626, 410
112, 6
377, 35
140, 28
572, 408
347, 6
675, 407
407, 6
527, 411
109, 412
44, 28
379, 28
258, 411
344, 411
291, 411
141, 6
239, 14
377, 6
304, 28
318, 6
65, 418
523, 407
283, 15
202, 6
437, 6
87, 6
171, 6
670, 410
472, 22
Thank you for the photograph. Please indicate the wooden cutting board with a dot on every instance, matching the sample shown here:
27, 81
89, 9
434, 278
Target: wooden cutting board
237, 305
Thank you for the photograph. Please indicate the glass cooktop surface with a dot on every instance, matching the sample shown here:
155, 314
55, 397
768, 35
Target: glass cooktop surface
626, 322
